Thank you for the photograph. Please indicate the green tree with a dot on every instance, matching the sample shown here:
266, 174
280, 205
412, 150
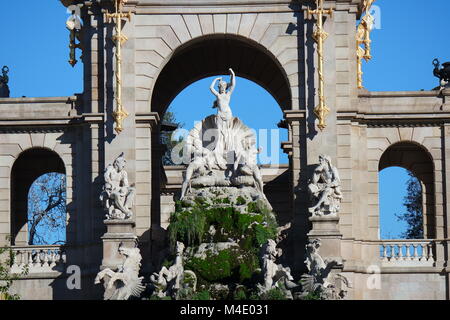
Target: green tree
166, 137
414, 209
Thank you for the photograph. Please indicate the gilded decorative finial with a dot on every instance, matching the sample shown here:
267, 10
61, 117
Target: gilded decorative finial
320, 35
363, 48
119, 39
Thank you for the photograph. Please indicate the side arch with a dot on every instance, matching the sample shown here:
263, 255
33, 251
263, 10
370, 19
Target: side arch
417, 159
29, 165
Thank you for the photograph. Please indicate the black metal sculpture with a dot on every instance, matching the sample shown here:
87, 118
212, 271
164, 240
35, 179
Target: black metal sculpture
442, 73
4, 89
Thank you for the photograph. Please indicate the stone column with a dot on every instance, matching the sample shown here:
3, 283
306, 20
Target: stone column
296, 149
443, 250
146, 123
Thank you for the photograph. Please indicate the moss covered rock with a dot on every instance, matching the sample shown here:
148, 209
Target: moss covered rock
223, 230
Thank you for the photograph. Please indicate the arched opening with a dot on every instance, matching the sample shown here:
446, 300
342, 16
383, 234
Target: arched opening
250, 103
196, 61
408, 171
37, 178
214, 55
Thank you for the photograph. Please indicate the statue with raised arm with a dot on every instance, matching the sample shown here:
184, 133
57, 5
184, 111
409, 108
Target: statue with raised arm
224, 115
325, 188
220, 151
118, 195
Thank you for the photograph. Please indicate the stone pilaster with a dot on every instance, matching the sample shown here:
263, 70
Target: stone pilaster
326, 229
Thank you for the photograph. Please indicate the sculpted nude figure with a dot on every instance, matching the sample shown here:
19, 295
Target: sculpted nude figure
325, 186
224, 114
118, 194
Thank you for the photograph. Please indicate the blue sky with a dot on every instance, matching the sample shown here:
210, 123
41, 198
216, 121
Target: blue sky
34, 44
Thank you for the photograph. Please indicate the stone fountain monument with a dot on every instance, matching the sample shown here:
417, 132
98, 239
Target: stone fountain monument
223, 232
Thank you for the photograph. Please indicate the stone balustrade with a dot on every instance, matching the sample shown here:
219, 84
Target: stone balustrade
38, 259
407, 250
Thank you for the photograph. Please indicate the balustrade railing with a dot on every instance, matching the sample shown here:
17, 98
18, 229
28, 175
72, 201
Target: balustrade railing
37, 259
407, 250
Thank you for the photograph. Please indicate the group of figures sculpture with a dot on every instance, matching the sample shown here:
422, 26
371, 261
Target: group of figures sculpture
222, 149
117, 195
222, 154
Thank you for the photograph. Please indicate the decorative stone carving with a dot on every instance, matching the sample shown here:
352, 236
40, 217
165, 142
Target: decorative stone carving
221, 149
168, 282
118, 195
275, 275
443, 73
320, 280
125, 282
325, 189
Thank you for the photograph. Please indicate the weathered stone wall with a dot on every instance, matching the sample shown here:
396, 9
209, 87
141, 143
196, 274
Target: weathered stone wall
270, 42
404, 285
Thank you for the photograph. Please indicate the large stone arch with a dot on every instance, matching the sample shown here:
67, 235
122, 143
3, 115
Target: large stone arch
424, 138
14, 144
211, 55
272, 37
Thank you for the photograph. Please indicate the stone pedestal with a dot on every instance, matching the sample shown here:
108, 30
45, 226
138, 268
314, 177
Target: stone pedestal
118, 231
326, 228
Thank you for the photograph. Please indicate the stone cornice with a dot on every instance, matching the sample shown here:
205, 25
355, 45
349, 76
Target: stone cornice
48, 124
398, 94
28, 100
292, 115
233, 6
151, 118
396, 119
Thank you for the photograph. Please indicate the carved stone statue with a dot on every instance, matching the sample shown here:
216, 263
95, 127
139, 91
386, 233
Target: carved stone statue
442, 73
319, 279
325, 189
168, 282
125, 282
224, 114
4, 79
221, 150
275, 275
118, 195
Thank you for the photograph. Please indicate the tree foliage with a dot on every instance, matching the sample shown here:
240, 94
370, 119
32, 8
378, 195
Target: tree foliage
47, 210
166, 138
6, 278
414, 209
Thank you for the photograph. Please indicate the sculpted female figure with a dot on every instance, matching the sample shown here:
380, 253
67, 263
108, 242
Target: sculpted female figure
224, 114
